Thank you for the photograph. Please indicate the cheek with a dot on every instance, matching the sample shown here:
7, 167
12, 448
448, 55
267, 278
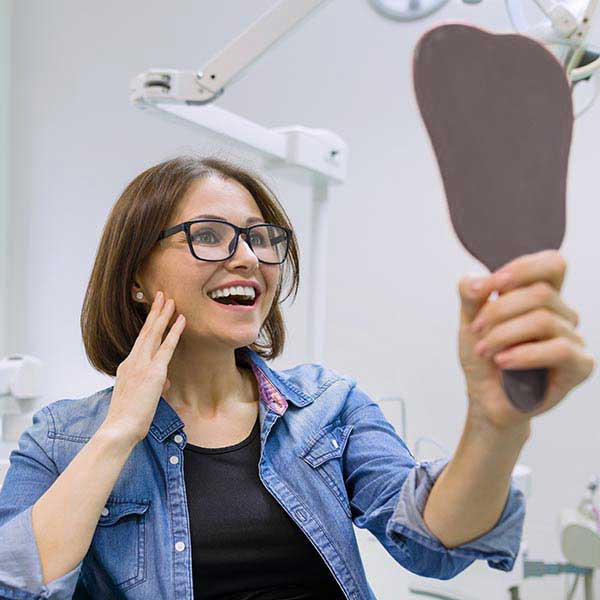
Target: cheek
272, 278
272, 290
193, 279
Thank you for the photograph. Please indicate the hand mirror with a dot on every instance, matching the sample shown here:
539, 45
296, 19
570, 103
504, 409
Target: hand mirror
499, 114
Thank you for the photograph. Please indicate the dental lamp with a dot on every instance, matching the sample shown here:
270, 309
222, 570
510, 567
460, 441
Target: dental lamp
407, 10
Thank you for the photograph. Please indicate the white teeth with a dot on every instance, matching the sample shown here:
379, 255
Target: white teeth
234, 291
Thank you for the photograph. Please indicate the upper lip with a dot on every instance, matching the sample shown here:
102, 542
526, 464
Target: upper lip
243, 283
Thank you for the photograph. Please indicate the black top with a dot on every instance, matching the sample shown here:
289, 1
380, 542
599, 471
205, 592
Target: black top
244, 545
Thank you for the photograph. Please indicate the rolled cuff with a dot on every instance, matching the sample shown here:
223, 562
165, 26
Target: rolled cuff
499, 546
20, 566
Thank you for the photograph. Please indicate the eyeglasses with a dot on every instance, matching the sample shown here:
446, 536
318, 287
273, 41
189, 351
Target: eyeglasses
214, 241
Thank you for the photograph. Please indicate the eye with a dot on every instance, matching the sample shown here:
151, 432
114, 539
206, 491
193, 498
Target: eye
206, 236
257, 239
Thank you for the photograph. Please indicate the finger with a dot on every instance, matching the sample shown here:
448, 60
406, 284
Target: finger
547, 265
521, 301
146, 328
536, 325
148, 342
473, 298
159, 325
557, 352
157, 305
165, 352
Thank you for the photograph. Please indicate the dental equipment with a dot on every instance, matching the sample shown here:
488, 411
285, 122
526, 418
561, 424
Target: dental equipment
21, 388
312, 156
407, 10
565, 29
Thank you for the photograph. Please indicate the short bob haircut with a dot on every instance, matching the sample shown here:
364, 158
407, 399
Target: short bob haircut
110, 319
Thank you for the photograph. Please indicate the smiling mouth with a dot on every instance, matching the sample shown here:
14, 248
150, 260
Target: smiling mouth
236, 300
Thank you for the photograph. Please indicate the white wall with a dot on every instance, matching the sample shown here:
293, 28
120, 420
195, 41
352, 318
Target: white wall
4, 167
394, 259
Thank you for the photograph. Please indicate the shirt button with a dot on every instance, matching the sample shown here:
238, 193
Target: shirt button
178, 439
173, 460
105, 511
179, 546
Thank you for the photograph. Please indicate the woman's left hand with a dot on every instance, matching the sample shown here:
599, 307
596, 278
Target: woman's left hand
528, 326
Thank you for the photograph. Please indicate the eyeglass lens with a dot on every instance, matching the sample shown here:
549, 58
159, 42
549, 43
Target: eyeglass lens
214, 241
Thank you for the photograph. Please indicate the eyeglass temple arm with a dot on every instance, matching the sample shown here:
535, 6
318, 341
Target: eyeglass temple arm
171, 231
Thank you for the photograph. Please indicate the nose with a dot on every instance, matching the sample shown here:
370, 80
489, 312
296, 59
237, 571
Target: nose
243, 252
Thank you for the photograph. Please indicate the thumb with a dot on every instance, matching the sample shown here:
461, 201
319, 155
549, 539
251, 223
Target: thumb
474, 291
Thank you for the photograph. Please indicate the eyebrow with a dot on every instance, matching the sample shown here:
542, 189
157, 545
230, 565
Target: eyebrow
248, 220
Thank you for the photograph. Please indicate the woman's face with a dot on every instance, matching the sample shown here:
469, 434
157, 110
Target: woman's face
173, 270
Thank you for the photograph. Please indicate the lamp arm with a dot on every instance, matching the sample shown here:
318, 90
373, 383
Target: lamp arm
231, 62
204, 87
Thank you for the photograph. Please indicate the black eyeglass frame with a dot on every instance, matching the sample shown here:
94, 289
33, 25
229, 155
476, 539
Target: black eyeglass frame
238, 231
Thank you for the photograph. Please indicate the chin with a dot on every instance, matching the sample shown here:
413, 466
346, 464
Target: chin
243, 336
237, 339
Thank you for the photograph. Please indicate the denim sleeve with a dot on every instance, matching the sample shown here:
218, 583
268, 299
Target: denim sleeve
31, 472
499, 546
388, 490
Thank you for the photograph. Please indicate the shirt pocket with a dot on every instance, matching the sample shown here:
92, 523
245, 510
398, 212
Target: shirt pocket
119, 541
324, 454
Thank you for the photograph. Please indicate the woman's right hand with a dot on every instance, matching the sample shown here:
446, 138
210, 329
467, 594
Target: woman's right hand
142, 376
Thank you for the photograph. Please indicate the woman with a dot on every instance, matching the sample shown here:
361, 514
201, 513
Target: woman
204, 473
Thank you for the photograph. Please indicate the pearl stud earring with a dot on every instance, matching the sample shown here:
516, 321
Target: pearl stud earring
139, 295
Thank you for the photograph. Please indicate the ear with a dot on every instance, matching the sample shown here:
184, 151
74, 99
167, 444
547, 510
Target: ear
136, 288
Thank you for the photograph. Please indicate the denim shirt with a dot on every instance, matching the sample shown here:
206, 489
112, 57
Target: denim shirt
328, 456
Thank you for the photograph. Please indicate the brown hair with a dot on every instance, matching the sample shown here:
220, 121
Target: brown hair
110, 319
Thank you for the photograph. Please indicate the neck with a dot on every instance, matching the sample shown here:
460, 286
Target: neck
206, 382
